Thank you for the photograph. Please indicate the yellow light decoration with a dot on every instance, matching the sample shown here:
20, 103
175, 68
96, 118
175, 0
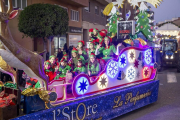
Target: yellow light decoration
128, 41
133, 3
143, 42
108, 9
107, 24
103, 81
131, 55
155, 3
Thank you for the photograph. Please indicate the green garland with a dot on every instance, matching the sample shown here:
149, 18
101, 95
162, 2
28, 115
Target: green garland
11, 85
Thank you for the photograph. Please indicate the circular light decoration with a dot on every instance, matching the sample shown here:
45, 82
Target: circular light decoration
146, 72
82, 85
131, 56
112, 69
103, 81
131, 73
148, 56
122, 61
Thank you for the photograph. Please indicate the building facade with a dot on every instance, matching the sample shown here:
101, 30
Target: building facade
93, 17
75, 33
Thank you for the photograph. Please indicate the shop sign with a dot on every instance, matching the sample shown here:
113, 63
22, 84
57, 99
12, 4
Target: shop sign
75, 30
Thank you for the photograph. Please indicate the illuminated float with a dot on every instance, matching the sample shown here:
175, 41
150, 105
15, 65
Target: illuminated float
133, 65
126, 83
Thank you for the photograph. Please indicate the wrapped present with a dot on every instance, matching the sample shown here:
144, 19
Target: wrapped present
35, 100
32, 83
33, 104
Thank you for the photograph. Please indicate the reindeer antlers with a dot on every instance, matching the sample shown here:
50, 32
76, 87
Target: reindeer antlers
10, 6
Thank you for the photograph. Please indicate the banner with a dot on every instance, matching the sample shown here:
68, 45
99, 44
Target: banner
102, 106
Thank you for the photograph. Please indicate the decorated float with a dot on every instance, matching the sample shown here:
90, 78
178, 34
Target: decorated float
119, 83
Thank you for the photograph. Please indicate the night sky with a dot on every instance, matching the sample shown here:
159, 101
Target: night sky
167, 10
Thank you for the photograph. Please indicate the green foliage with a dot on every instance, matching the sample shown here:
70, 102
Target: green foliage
113, 23
143, 25
43, 20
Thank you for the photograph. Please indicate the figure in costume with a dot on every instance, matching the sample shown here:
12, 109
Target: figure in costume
94, 67
52, 60
80, 68
100, 38
91, 48
65, 57
63, 69
81, 50
75, 57
107, 49
95, 32
49, 71
91, 32
103, 33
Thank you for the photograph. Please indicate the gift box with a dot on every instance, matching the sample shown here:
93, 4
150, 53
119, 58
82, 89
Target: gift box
13, 106
33, 104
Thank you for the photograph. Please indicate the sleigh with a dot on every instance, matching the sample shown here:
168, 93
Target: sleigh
132, 66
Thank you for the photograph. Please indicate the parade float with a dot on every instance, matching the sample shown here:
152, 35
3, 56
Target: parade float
125, 82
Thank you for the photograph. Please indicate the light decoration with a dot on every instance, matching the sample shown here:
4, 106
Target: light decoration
82, 85
146, 72
148, 56
131, 56
103, 81
122, 61
112, 69
131, 73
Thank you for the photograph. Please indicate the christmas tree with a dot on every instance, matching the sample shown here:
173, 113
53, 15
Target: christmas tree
144, 22
112, 30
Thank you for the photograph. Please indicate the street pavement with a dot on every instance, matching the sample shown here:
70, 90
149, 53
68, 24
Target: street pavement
168, 105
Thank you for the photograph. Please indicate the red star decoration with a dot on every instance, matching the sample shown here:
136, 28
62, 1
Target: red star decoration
146, 72
136, 63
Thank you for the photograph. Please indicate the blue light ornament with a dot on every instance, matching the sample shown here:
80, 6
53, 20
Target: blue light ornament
112, 69
122, 61
148, 56
131, 73
82, 85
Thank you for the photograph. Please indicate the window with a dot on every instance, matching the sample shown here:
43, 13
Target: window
97, 10
18, 3
102, 15
87, 8
74, 15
